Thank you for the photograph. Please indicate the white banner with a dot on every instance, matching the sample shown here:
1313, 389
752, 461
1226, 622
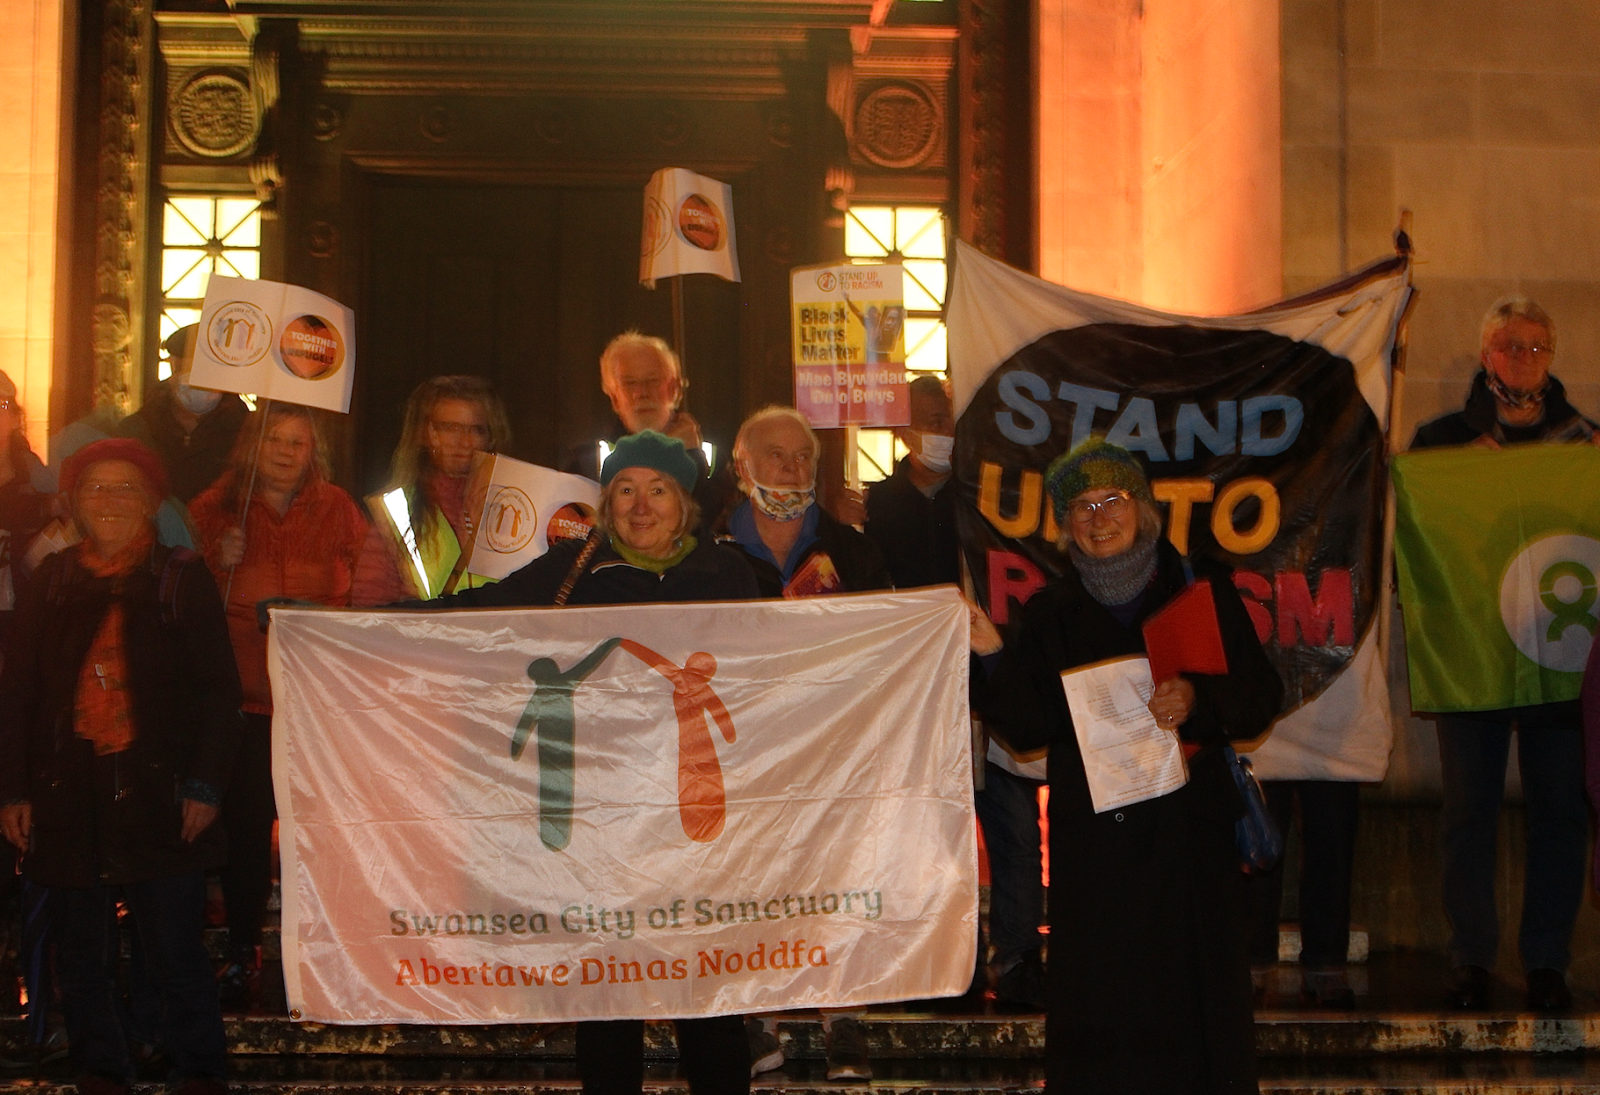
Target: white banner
688, 227
276, 341
635, 812
521, 509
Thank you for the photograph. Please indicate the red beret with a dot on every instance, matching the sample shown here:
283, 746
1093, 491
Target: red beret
114, 448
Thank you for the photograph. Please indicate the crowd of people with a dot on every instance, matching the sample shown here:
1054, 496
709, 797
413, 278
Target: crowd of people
135, 710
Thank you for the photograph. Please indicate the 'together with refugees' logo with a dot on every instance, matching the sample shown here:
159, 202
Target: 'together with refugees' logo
550, 720
1547, 600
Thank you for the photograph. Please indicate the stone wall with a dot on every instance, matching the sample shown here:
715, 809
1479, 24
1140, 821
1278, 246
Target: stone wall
1482, 117
31, 58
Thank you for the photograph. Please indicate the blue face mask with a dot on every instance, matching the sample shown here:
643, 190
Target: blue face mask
196, 400
782, 503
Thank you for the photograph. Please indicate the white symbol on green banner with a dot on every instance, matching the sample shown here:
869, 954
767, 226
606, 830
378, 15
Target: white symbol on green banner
1547, 600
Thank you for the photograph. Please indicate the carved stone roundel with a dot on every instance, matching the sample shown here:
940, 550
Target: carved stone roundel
213, 115
897, 125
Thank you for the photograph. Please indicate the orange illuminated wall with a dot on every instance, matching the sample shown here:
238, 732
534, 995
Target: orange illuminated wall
31, 43
1159, 155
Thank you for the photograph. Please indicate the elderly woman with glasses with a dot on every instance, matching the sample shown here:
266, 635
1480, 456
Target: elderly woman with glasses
1149, 976
119, 721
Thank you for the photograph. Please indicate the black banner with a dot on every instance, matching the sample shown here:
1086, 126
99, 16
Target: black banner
1261, 450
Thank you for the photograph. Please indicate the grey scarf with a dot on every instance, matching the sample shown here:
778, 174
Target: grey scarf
1121, 578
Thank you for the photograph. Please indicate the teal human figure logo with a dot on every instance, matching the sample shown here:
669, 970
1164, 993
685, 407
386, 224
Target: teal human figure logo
549, 711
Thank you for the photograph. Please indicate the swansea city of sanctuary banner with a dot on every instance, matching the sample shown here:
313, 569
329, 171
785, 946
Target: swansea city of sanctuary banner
1263, 437
646, 811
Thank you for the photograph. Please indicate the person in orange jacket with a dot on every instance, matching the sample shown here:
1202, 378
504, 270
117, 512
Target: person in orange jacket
296, 535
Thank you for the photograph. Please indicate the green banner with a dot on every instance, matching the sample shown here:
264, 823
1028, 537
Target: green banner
1497, 554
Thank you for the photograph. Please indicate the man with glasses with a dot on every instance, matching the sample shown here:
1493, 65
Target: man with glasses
1513, 399
644, 381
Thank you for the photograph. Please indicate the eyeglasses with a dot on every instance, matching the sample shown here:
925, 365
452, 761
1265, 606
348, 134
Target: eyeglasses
108, 490
1516, 348
1082, 510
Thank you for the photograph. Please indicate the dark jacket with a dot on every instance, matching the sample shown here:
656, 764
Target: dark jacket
1148, 953
23, 512
915, 534
193, 460
710, 572
1480, 418
116, 819
857, 559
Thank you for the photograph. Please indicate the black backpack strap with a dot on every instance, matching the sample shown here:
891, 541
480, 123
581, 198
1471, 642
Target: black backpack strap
167, 584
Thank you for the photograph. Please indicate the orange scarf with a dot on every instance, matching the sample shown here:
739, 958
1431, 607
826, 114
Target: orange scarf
103, 711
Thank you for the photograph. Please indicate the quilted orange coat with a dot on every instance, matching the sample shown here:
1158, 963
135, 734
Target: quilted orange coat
308, 553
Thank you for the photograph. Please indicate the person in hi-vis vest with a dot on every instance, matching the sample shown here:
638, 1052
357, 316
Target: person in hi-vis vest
419, 519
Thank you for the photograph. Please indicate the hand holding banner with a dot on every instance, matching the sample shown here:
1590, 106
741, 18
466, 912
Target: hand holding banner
275, 341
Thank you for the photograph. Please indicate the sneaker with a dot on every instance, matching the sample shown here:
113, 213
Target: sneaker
239, 982
847, 1050
766, 1055
1547, 991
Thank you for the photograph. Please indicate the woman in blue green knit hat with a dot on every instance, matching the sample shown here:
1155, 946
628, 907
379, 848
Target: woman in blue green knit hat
1149, 976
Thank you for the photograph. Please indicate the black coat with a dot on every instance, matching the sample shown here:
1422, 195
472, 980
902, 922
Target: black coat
916, 534
1480, 418
192, 460
117, 819
710, 572
856, 558
1149, 969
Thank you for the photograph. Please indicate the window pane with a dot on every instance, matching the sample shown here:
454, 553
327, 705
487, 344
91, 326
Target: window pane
925, 344
240, 264
921, 232
875, 449
176, 229
924, 285
183, 273
868, 230
199, 212
239, 222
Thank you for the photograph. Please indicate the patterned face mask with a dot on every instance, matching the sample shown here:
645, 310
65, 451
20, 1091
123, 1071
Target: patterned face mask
1513, 398
782, 503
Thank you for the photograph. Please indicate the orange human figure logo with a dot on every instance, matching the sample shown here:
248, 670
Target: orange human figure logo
702, 806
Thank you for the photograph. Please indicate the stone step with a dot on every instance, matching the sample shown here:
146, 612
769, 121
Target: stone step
1285, 1036
1513, 1075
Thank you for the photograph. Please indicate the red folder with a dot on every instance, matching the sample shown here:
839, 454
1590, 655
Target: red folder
1184, 637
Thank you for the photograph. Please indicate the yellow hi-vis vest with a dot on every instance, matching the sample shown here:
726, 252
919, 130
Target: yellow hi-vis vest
424, 565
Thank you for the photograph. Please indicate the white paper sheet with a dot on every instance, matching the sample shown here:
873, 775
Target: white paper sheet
1127, 757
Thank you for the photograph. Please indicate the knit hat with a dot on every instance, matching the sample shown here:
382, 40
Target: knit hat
1094, 465
114, 448
649, 449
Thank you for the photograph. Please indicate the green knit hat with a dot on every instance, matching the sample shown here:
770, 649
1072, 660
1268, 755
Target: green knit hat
1094, 465
649, 449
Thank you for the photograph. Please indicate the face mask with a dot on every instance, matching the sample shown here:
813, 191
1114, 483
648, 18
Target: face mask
935, 450
197, 400
782, 503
